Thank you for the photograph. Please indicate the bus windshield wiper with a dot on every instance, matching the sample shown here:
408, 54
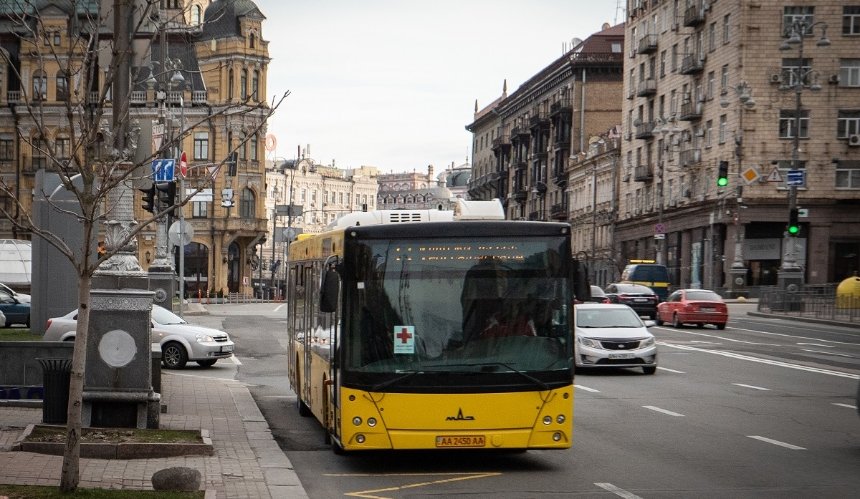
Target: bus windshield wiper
502, 364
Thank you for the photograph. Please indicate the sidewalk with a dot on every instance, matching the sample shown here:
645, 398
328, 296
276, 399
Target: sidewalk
247, 462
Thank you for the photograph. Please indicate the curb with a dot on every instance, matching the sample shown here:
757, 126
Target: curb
805, 319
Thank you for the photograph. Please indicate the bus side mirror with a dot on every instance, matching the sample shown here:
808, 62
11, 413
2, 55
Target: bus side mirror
328, 291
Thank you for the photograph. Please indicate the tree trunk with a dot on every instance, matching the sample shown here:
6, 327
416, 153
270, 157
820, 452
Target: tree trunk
72, 453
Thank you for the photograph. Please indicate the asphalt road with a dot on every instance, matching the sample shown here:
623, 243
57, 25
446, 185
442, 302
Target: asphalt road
765, 408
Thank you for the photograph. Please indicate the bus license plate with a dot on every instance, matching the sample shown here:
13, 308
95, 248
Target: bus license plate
621, 356
461, 441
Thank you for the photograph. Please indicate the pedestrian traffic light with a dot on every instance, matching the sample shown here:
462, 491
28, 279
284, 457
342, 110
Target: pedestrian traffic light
793, 224
723, 174
149, 198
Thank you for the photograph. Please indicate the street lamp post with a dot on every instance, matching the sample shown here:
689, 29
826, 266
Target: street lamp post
738, 271
790, 276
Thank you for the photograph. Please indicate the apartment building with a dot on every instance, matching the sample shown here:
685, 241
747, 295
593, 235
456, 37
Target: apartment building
763, 88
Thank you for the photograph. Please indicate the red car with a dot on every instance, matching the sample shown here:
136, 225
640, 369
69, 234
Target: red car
693, 306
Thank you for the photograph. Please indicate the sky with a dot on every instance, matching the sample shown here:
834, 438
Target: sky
393, 83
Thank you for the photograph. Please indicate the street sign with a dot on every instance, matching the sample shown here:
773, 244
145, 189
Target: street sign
802, 212
174, 233
750, 175
659, 228
157, 135
795, 177
162, 170
660, 236
204, 195
227, 197
774, 176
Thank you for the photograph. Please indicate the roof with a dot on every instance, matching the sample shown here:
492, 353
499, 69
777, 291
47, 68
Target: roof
221, 18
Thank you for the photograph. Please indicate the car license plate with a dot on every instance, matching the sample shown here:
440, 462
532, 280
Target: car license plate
708, 310
461, 441
227, 348
621, 356
640, 300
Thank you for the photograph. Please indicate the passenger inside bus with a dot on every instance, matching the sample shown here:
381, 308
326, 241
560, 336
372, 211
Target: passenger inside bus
484, 286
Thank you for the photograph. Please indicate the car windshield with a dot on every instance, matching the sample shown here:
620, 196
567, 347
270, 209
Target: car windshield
607, 317
702, 295
163, 316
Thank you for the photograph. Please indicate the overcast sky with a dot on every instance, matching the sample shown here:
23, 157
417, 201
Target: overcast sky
393, 83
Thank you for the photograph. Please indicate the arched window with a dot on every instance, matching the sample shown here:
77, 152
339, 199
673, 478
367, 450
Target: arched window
195, 15
252, 41
230, 84
243, 84
255, 85
40, 86
253, 148
247, 206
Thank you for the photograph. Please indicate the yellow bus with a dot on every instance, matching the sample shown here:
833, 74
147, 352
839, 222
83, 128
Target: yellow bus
435, 334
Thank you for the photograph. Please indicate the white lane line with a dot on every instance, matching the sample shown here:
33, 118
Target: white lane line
794, 336
664, 411
752, 386
617, 491
671, 370
763, 361
845, 405
817, 345
236, 360
278, 307
585, 388
827, 353
777, 442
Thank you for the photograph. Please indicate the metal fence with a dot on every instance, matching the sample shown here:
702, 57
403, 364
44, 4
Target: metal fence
817, 302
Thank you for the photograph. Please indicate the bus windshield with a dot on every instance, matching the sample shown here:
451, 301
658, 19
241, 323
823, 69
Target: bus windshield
484, 305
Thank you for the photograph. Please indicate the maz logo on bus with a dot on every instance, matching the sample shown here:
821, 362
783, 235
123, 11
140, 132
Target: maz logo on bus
460, 417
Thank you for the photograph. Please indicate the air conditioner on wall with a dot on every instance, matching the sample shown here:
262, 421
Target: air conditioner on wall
854, 140
776, 78
834, 79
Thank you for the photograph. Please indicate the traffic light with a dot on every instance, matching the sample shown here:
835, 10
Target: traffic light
793, 224
149, 198
723, 174
166, 193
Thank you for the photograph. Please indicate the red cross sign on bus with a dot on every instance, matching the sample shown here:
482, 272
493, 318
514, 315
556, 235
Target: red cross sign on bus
404, 339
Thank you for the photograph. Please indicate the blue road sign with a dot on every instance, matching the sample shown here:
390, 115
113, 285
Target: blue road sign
163, 170
795, 177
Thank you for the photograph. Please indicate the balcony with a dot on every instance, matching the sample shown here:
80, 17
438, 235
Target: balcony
690, 111
648, 44
646, 87
503, 140
692, 64
199, 97
137, 97
539, 119
559, 107
520, 131
13, 96
520, 194
520, 164
690, 157
645, 130
694, 15
558, 211
643, 173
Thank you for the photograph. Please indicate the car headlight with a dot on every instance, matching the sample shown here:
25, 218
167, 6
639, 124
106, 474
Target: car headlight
647, 342
204, 338
588, 342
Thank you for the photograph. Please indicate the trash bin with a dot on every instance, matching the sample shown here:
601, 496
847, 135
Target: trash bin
56, 374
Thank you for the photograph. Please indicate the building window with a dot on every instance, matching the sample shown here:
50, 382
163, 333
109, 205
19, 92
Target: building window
252, 145
788, 124
849, 73
851, 20
247, 205
230, 83
62, 150
675, 58
848, 174
723, 129
56, 38
712, 37
200, 209
39, 153
195, 15
727, 29
709, 132
712, 81
252, 41
255, 85
7, 149
62, 87
201, 146
800, 14
243, 84
848, 124
724, 79
794, 68
662, 64
40, 86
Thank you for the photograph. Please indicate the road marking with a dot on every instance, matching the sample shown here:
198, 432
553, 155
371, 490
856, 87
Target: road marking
783, 335
817, 345
617, 491
585, 388
764, 361
235, 360
827, 353
776, 442
371, 494
664, 411
278, 307
671, 370
724, 338
752, 386
845, 405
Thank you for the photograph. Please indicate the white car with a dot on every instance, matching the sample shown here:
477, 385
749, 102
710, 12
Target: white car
180, 341
613, 335
22, 297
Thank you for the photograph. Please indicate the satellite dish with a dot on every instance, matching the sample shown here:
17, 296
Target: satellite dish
173, 233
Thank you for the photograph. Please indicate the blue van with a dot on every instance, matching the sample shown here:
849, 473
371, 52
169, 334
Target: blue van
648, 273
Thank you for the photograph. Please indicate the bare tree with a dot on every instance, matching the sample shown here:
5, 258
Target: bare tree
97, 163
